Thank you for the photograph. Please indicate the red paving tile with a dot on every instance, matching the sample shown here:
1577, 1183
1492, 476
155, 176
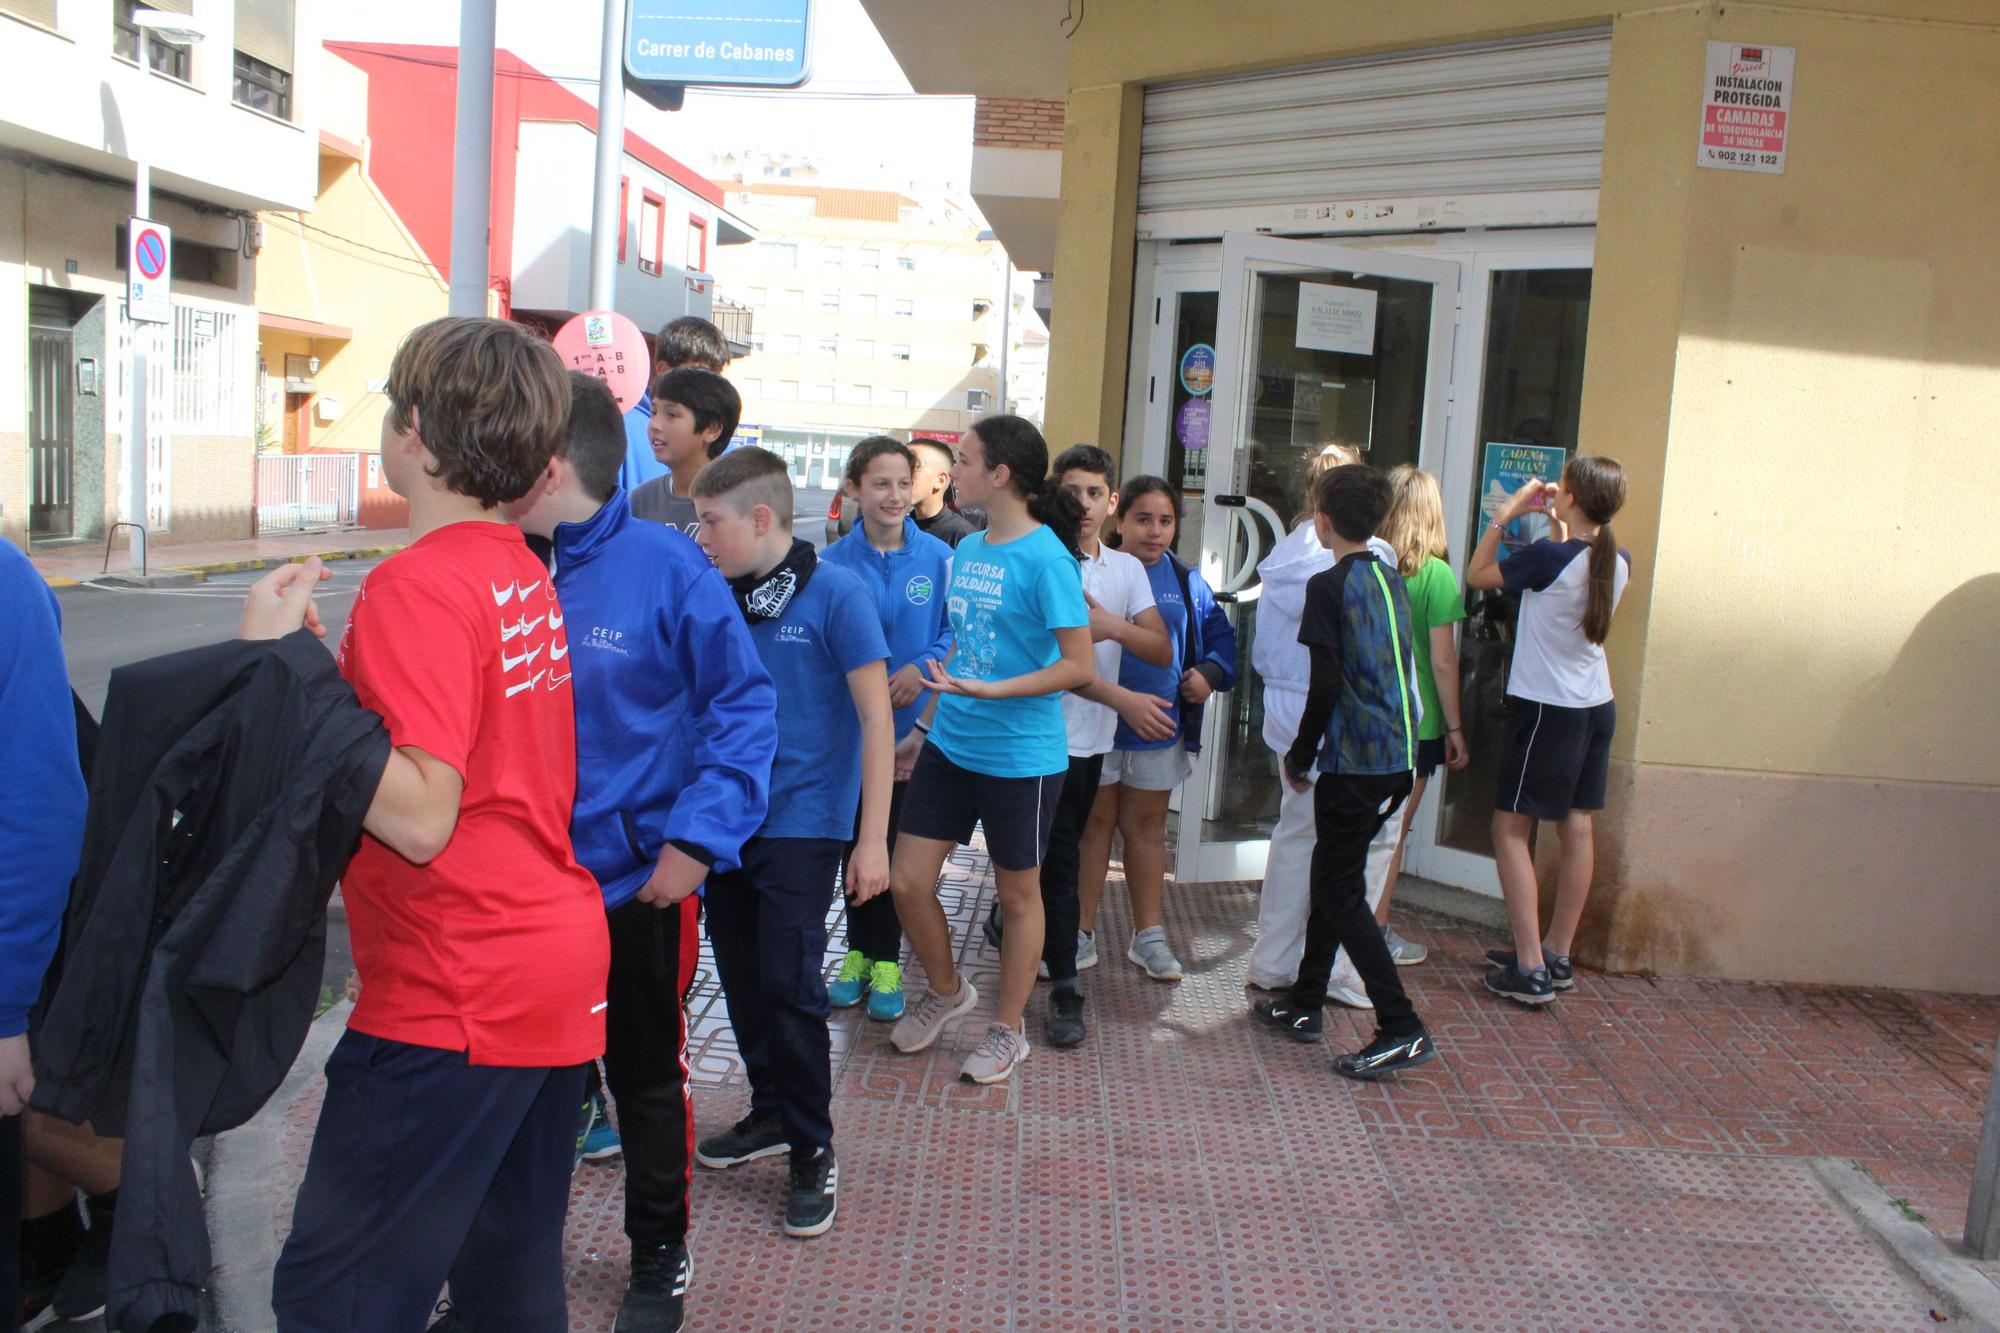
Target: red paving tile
1634, 1156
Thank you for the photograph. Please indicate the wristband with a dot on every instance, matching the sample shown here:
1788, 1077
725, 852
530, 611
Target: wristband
922, 726
1454, 731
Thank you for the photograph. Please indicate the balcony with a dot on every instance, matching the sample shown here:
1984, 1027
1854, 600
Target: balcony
737, 322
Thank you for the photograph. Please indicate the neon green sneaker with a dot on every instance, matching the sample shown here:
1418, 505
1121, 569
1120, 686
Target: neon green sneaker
885, 993
851, 982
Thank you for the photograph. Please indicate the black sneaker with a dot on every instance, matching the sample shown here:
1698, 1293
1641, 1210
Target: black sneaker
656, 1297
1065, 1027
815, 1194
1562, 971
748, 1139
1298, 1024
80, 1294
1387, 1055
449, 1320
1527, 987
992, 928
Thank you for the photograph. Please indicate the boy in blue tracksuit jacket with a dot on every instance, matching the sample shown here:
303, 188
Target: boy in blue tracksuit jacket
675, 731
907, 581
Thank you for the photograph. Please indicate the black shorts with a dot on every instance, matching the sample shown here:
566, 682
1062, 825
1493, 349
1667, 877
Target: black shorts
1554, 759
945, 801
1430, 756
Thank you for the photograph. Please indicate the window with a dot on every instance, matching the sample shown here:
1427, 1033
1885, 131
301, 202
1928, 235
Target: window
757, 295
208, 392
905, 306
783, 391
652, 230
891, 398
975, 400
861, 349
749, 387
779, 254
264, 56
624, 213
854, 393
825, 347
819, 393
832, 254
862, 304
791, 299
829, 301
906, 263
697, 255
788, 344
899, 351
160, 55
871, 256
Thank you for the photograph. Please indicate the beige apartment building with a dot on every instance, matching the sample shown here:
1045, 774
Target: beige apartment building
876, 313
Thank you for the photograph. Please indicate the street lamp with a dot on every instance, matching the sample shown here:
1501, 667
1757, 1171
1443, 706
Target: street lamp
182, 30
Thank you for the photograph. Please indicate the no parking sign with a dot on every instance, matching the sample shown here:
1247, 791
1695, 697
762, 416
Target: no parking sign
148, 261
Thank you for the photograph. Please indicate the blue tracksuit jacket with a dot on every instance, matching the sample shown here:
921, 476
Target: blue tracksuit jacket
675, 714
908, 585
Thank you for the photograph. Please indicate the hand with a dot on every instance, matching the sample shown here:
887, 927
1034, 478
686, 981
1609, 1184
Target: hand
1150, 717
1294, 779
281, 602
1195, 688
935, 677
674, 878
1456, 756
1527, 500
868, 870
905, 685
907, 750
353, 987
1103, 625
17, 1075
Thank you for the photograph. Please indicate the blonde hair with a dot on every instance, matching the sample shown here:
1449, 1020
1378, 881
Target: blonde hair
1329, 456
1414, 525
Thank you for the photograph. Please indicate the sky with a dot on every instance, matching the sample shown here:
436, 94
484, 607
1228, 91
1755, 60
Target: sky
854, 116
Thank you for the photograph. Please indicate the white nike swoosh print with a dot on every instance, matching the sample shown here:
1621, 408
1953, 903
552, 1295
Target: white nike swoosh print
558, 654
508, 631
525, 591
502, 596
555, 620
557, 680
527, 684
509, 663
531, 624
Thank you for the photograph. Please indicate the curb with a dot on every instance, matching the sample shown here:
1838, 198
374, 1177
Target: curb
201, 572
1937, 1266
241, 1166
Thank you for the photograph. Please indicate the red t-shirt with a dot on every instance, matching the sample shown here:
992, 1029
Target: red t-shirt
497, 947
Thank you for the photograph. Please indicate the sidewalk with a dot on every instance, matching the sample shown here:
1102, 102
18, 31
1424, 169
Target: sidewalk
69, 565
1638, 1155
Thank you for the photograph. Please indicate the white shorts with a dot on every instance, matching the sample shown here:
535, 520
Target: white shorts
1148, 770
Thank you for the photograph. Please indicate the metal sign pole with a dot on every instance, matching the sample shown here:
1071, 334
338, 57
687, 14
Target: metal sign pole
605, 224
472, 159
1982, 1218
138, 481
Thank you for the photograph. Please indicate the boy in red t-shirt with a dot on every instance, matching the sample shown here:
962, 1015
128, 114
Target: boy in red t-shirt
443, 1148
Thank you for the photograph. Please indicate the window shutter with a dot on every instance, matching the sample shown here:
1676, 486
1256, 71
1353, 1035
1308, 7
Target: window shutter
264, 31
35, 11
167, 6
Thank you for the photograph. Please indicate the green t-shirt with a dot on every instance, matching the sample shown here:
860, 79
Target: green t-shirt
1434, 600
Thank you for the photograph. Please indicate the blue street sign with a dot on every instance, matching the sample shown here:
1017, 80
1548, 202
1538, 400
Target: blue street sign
763, 43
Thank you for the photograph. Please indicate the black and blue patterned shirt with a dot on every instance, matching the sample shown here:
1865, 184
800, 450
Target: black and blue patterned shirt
1357, 621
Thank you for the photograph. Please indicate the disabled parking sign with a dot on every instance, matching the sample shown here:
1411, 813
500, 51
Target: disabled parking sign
148, 263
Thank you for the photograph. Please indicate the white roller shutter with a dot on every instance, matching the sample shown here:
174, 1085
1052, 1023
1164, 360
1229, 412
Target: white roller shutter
1485, 127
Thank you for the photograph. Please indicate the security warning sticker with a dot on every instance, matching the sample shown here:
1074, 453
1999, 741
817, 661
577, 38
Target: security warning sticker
1746, 107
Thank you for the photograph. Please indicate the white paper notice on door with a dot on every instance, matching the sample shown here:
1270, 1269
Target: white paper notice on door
1336, 319
1746, 107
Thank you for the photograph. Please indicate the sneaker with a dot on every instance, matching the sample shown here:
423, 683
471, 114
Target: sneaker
1065, 1026
1354, 997
1387, 1055
447, 1320
1086, 950
1562, 971
656, 1296
600, 1141
755, 1135
815, 1194
885, 992
993, 929
80, 1294
1404, 952
1527, 987
850, 983
997, 1054
920, 1024
1298, 1024
1149, 950
42, 1273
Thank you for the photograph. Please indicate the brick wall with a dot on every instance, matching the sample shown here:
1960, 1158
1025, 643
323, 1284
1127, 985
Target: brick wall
1017, 122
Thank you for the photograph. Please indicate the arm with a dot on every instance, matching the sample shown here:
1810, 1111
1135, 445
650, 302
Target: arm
415, 808
1217, 668
1069, 672
1149, 716
1482, 568
868, 870
733, 707
1321, 696
908, 680
1444, 673
1144, 635
911, 744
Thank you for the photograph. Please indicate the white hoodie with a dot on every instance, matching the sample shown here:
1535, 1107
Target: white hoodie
1275, 651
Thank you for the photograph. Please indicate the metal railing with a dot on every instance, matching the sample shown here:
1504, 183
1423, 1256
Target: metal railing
737, 323
299, 492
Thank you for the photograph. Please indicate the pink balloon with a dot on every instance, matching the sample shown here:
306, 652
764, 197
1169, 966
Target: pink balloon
609, 346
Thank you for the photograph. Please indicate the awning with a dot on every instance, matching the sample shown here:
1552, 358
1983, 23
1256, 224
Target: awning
311, 328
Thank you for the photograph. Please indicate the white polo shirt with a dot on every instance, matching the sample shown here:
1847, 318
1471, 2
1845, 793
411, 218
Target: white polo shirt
1117, 582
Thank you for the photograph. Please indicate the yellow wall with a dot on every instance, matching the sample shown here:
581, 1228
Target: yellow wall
349, 262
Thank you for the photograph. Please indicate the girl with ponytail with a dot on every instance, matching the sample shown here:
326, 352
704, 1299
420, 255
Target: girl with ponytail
994, 751
1556, 756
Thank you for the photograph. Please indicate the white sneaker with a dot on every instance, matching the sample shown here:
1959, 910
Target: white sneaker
1354, 997
1086, 955
922, 1021
994, 1060
1149, 950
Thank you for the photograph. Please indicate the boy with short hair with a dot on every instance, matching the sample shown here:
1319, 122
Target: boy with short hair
1360, 729
1122, 619
695, 413
443, 1146
816, 628
687, 341
928, 485
676, 727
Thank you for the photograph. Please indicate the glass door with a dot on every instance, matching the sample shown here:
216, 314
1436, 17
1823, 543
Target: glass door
1315, 344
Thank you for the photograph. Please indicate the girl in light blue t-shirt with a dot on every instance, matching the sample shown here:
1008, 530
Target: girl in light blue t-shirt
994, 752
